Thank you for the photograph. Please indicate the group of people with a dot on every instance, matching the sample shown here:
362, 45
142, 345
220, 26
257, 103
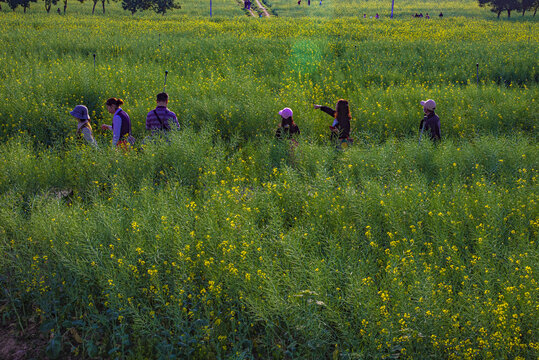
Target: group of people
377, 16
161, 120
158, 121
427, 16
340, 128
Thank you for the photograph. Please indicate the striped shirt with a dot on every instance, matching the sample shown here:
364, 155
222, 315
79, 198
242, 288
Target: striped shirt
153, 123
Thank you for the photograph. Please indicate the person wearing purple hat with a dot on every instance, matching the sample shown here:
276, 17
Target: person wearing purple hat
287, 128
84, 129
431, 121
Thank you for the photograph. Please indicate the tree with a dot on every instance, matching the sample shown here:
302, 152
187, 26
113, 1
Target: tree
161, 6
49, 4
13, 4
103, 3
526, 5
499, 6
136, 5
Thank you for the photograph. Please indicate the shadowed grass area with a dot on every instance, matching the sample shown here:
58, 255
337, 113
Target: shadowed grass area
207, 248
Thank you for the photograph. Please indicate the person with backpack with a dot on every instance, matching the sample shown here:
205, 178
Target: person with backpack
84, 129
431, 121
159, 119
121, 124
287, 128
341, 120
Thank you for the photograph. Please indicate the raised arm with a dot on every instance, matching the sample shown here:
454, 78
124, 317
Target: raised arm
326, 109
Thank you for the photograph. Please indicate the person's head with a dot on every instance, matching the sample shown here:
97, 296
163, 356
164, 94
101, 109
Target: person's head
428, 106
162, 99
113, 104
286, 117
342, 110
80, 112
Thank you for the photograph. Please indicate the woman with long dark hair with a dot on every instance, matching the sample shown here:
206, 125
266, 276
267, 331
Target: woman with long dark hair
341, 115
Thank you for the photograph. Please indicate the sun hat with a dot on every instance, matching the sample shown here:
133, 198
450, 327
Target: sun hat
428, 104
286, 113
80, 112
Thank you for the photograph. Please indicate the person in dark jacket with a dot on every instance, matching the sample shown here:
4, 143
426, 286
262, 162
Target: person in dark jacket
341, 116
431, 121
121, 123
287, 128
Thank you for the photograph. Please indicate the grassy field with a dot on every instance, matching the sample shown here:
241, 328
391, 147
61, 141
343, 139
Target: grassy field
224, 243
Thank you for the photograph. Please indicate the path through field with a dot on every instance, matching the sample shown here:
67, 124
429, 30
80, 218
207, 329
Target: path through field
266, 13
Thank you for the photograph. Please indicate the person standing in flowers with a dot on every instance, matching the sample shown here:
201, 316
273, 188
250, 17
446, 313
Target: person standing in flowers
287, 128
84, 129
431, 121
121, 123
341, 120
157, 120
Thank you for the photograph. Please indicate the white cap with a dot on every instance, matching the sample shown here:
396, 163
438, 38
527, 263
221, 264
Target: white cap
286, 113
428, 104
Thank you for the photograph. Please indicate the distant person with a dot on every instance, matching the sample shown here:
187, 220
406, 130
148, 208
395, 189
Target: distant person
431, 121
420, 15
377, 16
58, 11
441, 15
320, 2
427, 16
121, 124
364, 16
159, 119
287, 128
341, 119
299, 2
84, 129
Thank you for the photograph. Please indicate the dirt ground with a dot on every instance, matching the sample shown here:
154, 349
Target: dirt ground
21, 345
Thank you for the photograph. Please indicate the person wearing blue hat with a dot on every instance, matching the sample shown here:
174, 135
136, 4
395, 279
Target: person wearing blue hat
84, 129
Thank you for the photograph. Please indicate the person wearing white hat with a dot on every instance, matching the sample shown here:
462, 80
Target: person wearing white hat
431, 121
80, 112
287, 128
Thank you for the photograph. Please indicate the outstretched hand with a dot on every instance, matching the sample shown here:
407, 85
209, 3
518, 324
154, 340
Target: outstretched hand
104, 127
317, 106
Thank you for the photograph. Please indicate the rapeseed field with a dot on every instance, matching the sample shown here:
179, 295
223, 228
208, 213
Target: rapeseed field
224, 243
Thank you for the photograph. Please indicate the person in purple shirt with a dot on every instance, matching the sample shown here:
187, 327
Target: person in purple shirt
121, 123
431, 121
160, 118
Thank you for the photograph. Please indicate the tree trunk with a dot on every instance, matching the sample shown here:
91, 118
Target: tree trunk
508, 13
24, 9
93, 9
499, 12
535, 12
48, 8
103, 2
65, 6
